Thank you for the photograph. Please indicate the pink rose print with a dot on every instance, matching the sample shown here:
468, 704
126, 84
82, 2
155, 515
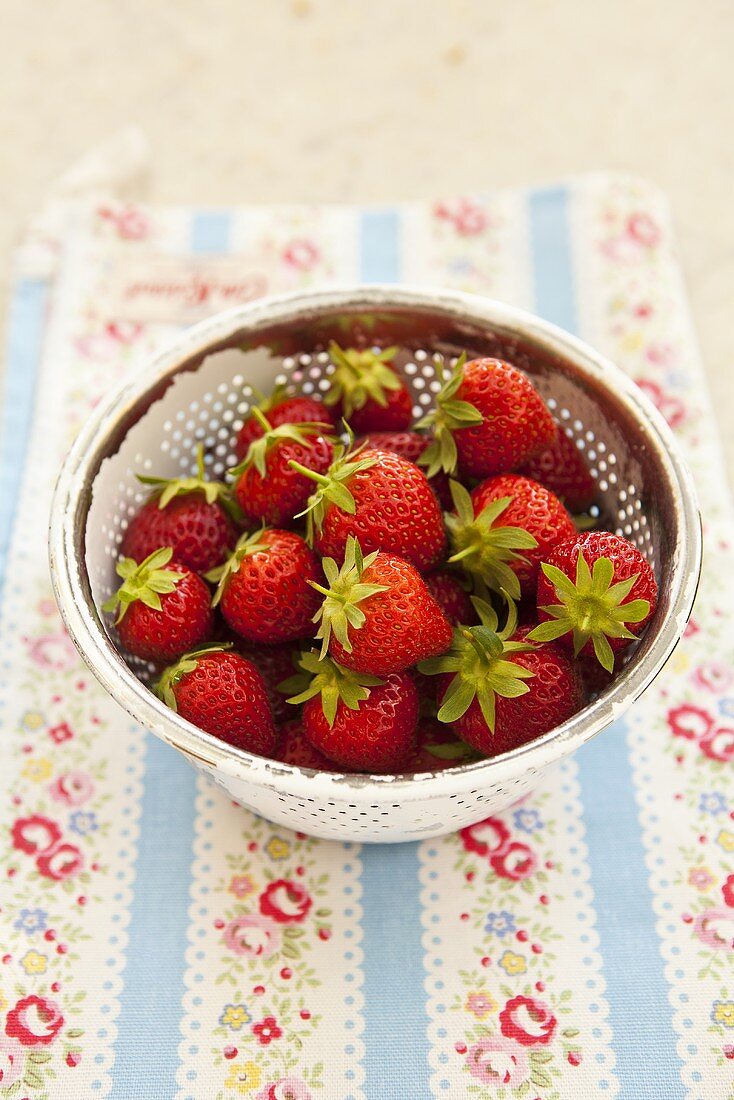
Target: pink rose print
689, 721
516, 862
11, 1061
301, 254
671, 407
267, 1030
61, 863
285, 901
34, 1021
727, 891
54, 651
62, 732
288, 1088
718, 745
497, 1061
479, 1004
700, 878
241, 885
72, 788
35, 834
643, 229
713, 676
715, 928
467, 217
129, 223
124, 332
254, 936
528, 1021
490, 835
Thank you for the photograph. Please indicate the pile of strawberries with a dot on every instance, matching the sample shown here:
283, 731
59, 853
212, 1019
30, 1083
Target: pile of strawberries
406, 600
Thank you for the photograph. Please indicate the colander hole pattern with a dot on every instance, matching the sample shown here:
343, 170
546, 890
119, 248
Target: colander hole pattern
201, 392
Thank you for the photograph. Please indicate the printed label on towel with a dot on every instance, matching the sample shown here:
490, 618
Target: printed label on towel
181, 291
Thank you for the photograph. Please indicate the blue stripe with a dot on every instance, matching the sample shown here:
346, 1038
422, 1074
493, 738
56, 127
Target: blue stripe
379, 246
151, 1004
25, 340
637, 991
395, 1016
394, 1012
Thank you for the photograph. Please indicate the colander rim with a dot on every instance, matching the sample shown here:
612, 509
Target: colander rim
73, 493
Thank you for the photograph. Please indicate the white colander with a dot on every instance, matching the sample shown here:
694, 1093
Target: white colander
199, 390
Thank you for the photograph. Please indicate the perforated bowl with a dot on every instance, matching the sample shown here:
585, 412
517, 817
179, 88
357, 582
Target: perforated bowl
199, 390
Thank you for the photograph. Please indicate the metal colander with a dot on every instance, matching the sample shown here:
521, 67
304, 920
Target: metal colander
200, 390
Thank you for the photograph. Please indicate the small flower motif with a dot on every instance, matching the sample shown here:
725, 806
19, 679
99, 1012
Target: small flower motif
512, 963
128, 222
37, 770
498, 1062
515, 863
31, 920
277, 848
689, 721
485, 837
234, 1016
725, 840
62, 732
285, 901
243, 1077
727, 891
719, 745
54, 651
643, 229
267, 1030
715, 928
480, 1004
33, 720
723, 1013
64, 861
72, 788
466, 216
34, 963
287, 1088
712, 802
35, 834
252, 935
241, 885
713, 676
301, 254
527, 821
500, 924
701, 878
82, 823
11, 1062
34, 1021
528, 1021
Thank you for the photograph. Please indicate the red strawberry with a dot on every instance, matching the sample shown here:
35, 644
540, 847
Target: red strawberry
438, 748
165, 609
275, 663
498, 691
295, 748
489, 418
410, 445
381, 499
450, 597
281, 409
223, 694
269, 489
192, 515
356, 720
367, 391
378, 616
264, 588
561, 469
590, 588
505, 503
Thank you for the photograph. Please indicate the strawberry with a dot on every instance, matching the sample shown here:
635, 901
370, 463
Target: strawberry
275, 663
279, 409
378, 616
269, 488
410, 445
591, 586
223, 694
367, 391
497, 690
164, 608
295, 748
381, 499
438, 748
488, 418
355, 719
450, 597
192, 515
265, 587
486, 538
561, 468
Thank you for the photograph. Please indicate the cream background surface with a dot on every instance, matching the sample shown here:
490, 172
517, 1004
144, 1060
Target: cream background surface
378, 100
